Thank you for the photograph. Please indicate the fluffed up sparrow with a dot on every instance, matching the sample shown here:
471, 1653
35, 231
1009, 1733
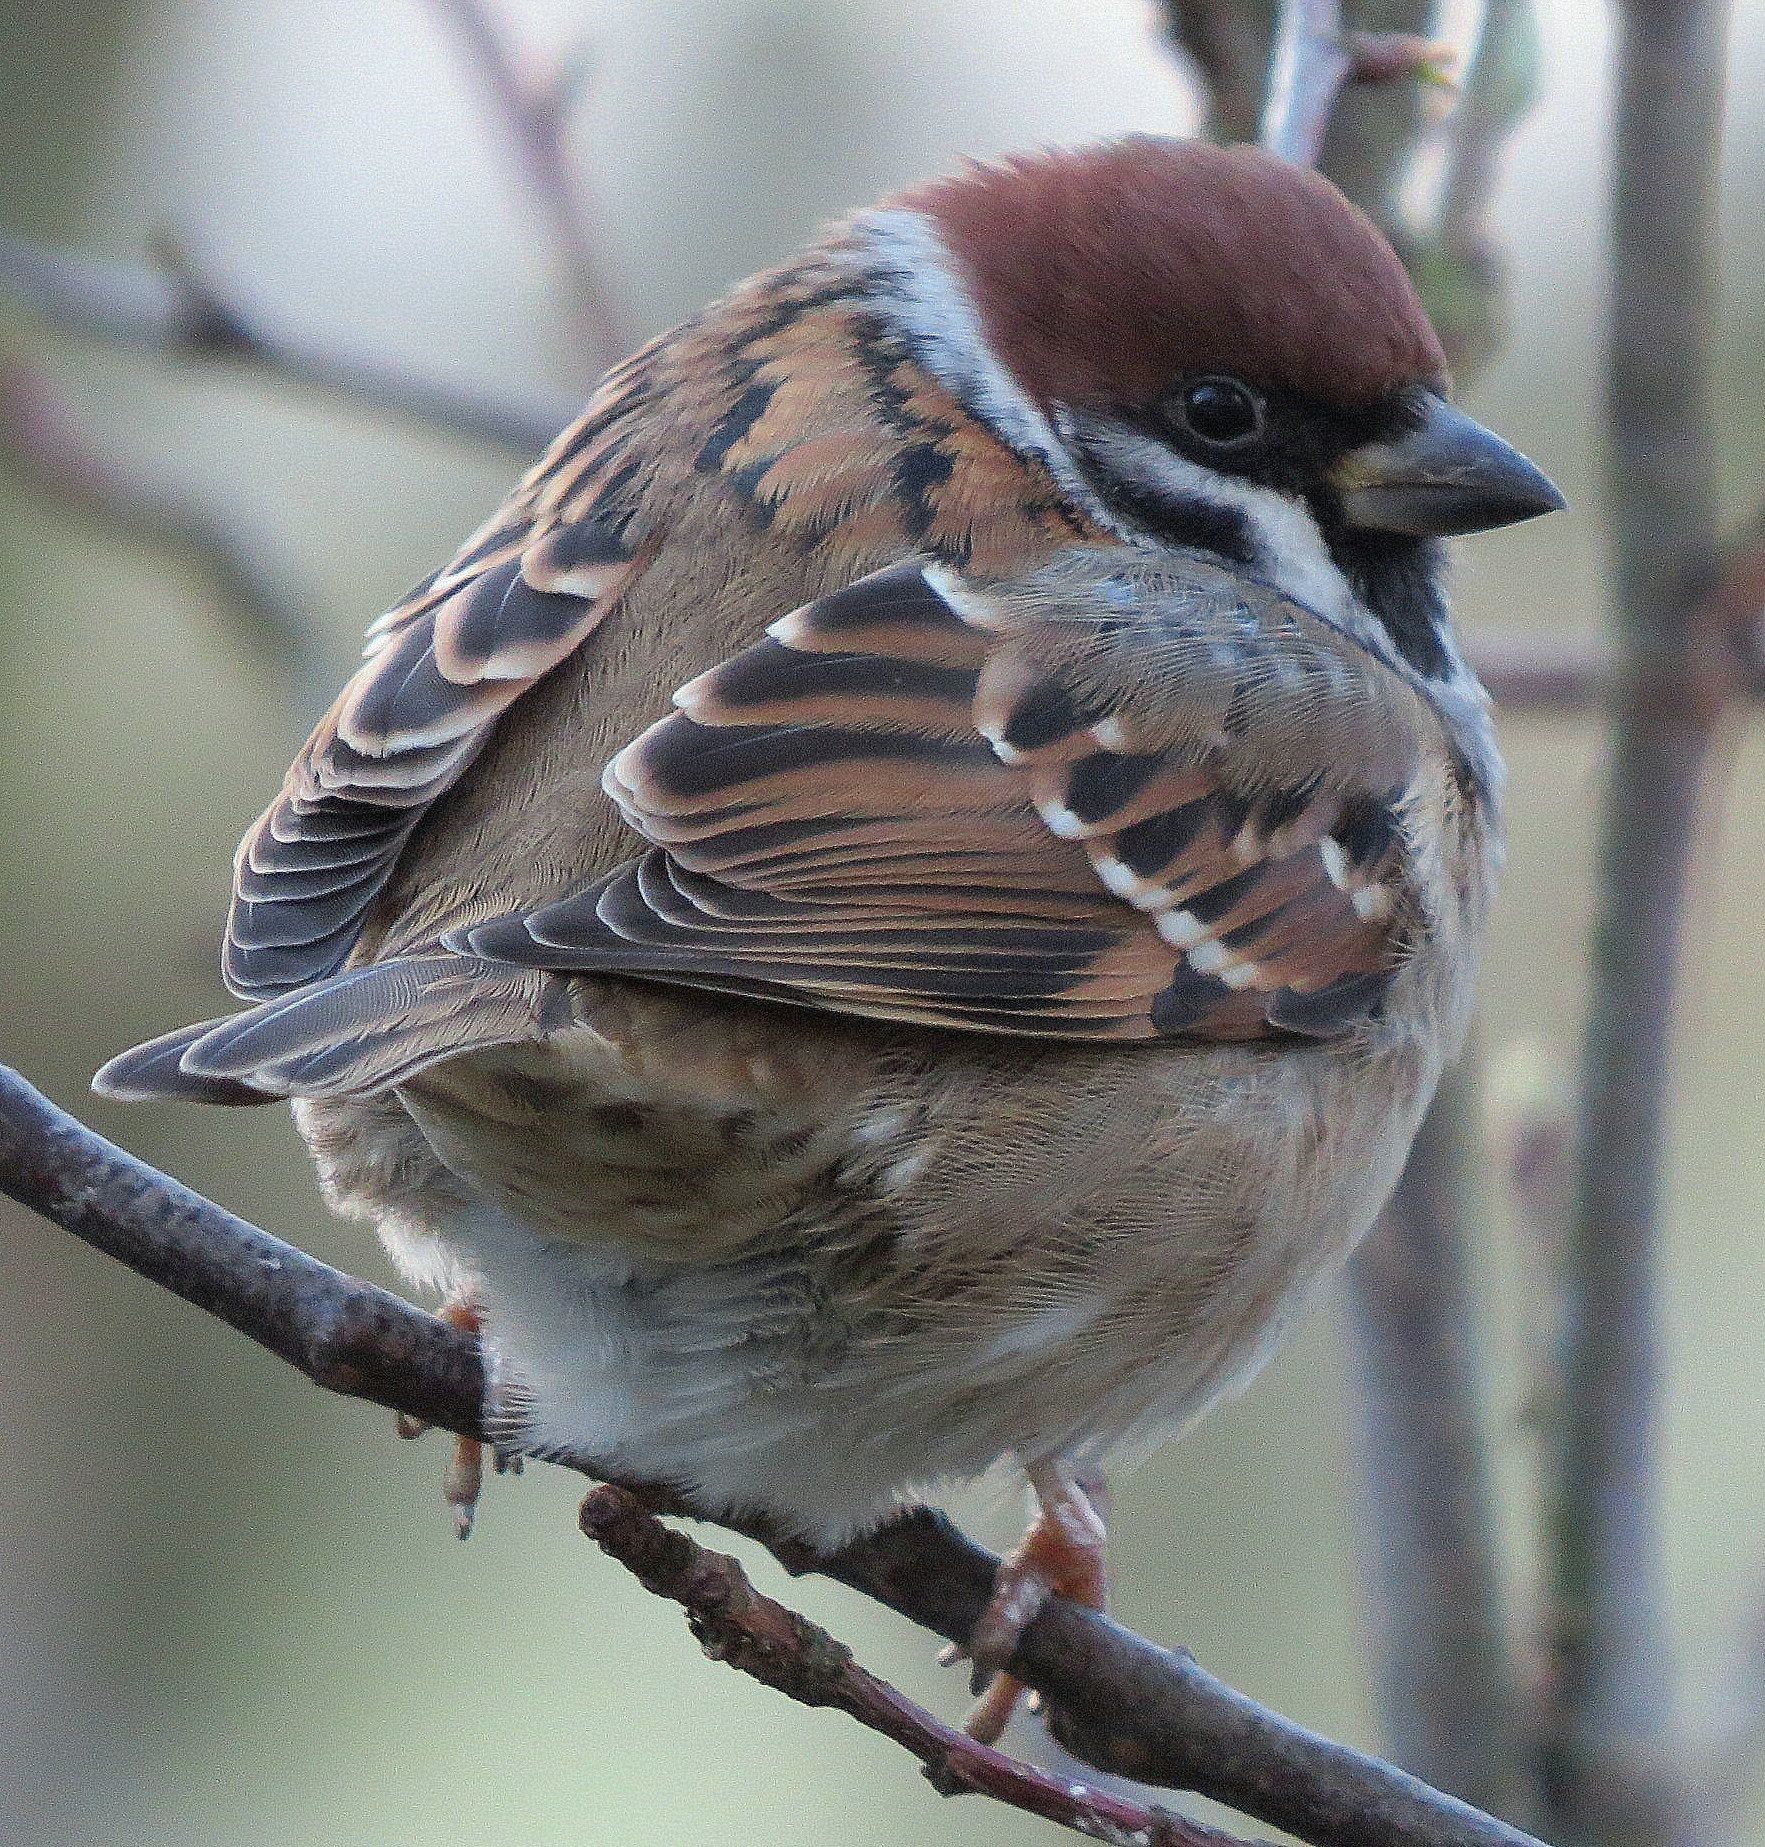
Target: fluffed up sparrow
972, 1013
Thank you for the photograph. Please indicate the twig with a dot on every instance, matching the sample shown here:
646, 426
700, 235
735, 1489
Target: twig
1310, 63
172, 313
1117, 1699
1462, 268
1227, 42
1447, 1684
531, 110
40, 439
783, 1650
1610, 1688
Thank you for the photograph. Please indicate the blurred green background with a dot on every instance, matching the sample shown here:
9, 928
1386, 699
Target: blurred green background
231, 1610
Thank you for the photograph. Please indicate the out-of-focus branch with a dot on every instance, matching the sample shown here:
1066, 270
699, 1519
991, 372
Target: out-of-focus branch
532, 107
1531, 675
1314, 56
735, 1623
1461, 270
1115, 1699
1537, 675
1608, 1696
1444, 1668
173, 313
1447, 1685
1228, 44
42, 442
1308, 66
1372, 137
137, 309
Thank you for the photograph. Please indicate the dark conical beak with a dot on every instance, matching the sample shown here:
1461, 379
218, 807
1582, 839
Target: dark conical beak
1448, 475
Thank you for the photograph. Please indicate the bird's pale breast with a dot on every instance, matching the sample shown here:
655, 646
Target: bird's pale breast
795, 1271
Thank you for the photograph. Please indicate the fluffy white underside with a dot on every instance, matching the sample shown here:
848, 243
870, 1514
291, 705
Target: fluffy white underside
654, 1374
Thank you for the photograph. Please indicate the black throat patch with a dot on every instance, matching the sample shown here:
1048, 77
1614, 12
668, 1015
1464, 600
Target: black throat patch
1401, 580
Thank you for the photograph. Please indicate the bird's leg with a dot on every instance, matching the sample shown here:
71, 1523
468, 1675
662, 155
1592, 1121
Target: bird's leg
1061, 1554
463, 1479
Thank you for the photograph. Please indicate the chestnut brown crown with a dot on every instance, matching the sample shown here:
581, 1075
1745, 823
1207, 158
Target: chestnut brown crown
1105, 275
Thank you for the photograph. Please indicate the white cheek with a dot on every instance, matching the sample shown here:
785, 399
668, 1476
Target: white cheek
1289, 545
1290, 549
1289, 538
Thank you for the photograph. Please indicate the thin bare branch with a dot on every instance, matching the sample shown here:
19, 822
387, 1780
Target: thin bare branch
736, 1624
1310, 63
1609, 1692
344, 1334
531, 108
1116, 1699
1227, 43
172, 313
42, 442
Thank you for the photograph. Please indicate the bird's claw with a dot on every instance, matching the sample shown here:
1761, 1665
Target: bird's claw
1063, 1552
463, 1482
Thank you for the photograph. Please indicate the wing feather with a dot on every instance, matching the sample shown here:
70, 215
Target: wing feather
1021, 807
439, 670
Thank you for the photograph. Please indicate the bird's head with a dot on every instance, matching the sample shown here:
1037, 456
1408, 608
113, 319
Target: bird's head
1215, 348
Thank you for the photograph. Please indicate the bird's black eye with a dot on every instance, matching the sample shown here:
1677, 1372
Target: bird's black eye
1222, 412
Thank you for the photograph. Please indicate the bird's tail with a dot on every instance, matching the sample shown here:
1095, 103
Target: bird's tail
356, 1033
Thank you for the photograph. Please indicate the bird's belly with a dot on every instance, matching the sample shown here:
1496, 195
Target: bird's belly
816, 1309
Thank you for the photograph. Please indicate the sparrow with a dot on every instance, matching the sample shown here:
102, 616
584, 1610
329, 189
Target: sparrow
901, 902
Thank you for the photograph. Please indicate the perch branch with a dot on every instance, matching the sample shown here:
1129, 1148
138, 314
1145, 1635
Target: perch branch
531, 107
1116, 1699
736, 1624
1604, 1726
173, 313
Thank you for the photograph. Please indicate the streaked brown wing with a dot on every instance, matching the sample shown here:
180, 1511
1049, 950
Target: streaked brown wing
440, 668
787, 406
1110, 800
